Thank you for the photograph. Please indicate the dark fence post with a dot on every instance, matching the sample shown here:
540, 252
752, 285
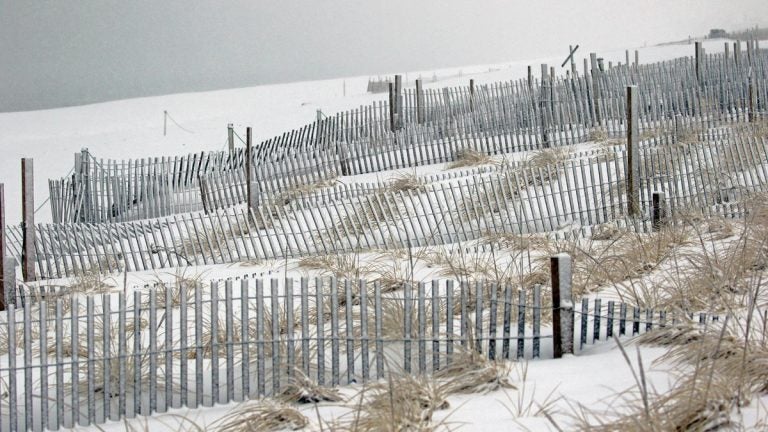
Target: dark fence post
28, 219
231, 138
752, 97
698, 56
562, 305
392, 107
637, 58
633, 153
658, 210
727, 52
472, 95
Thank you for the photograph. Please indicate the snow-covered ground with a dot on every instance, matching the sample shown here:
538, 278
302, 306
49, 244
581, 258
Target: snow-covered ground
134, 129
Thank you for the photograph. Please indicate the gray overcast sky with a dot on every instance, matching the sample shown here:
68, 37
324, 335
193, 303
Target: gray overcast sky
66, 52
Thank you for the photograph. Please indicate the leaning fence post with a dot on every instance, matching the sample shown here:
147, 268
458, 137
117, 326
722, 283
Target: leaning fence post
250, 183
231, 138
28, 220
562, 305
658, 210
633, 153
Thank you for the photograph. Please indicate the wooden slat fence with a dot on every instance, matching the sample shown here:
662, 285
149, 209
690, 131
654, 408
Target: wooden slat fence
91, 359
501, 117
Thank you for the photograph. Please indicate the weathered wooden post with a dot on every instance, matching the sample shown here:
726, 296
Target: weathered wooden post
637, 58
595, 88
7, 269
165, 122
633, 152
544, 105
573, 61
530, 78
626, 57
600, 65
658, 210
251, 184
392, 107
737, 52
471, 95
419, 102
562, 305
698, 59
27, 220
231, 138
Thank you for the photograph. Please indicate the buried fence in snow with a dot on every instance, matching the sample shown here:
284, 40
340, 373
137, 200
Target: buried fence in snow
492, 119
90, 359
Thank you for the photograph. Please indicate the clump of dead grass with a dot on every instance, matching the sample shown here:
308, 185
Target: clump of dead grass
469, 157
403, 402
472, 372
263, 415
300, 389
405, 182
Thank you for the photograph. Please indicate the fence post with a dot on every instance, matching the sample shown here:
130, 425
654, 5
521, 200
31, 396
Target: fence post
231, 138
562, 305
698, 56
398, 101
659, 210
471, 95
28, 220
637, 58
633, 152
737, 52
9, 279
391, 107
419, 102
573, 62
595, 87
250, 183
752, 97
727, 52
543, 105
